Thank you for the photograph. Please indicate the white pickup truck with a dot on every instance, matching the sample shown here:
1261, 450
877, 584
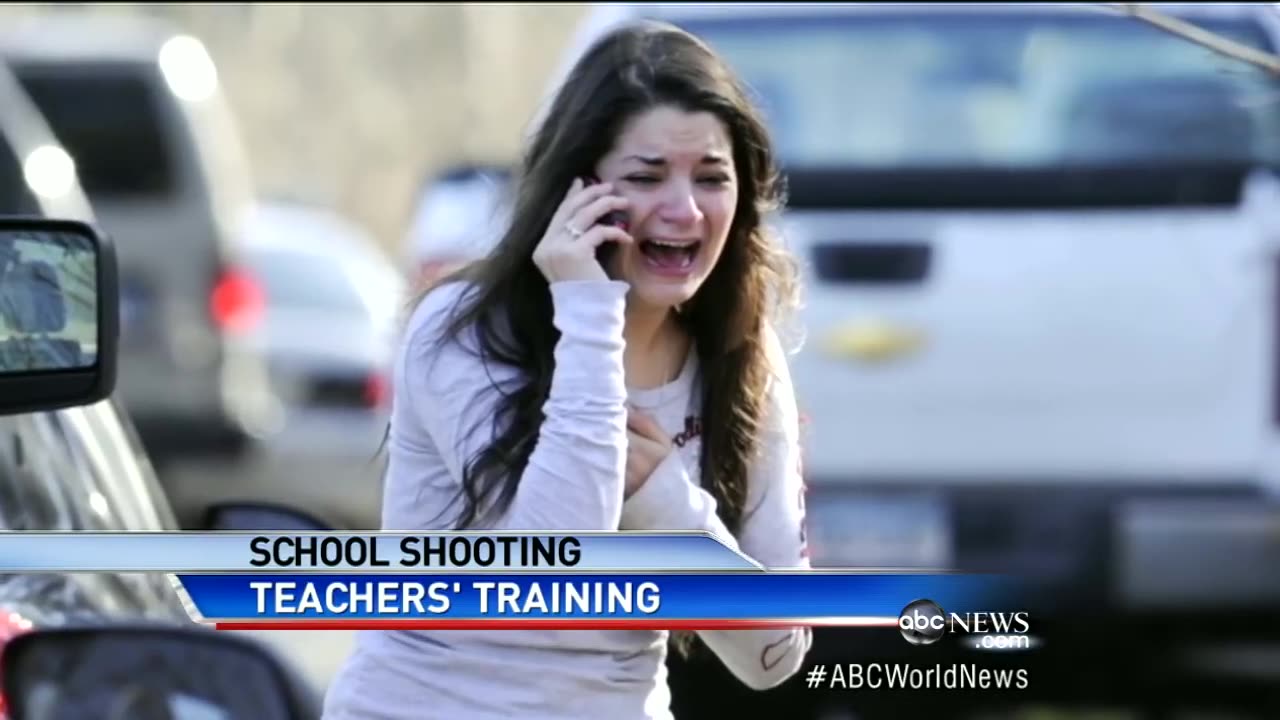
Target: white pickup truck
1040, 247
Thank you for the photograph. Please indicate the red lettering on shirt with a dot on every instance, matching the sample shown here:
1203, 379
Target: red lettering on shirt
692, 429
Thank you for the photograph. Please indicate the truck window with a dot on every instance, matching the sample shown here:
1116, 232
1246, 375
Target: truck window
1000, 90
110, 121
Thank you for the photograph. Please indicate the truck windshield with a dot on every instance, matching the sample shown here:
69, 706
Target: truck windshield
1016, 89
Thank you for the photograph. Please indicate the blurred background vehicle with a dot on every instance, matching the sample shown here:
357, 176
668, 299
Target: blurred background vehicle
332, 304
324, 279
1037, 248
1027, 246
459, 217
964, 194
138, 107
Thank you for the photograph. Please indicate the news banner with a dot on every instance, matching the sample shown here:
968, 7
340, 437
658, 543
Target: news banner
671, 581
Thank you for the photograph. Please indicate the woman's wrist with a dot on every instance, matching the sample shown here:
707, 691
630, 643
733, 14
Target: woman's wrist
590, 316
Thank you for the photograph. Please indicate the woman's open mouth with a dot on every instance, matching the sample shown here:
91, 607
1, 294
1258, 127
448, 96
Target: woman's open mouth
669, 256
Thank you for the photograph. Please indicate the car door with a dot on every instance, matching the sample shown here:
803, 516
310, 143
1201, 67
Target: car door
126, 476
63, 481
45, 485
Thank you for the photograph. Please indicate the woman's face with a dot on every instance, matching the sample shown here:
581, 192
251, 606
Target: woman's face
676, 169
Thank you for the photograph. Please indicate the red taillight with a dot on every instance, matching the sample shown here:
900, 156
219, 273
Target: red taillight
11, 625
237, 302
375, 390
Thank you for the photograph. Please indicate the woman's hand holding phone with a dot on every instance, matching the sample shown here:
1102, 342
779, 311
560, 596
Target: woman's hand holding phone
568, 249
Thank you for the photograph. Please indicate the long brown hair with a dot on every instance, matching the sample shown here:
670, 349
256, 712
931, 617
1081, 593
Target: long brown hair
627, 72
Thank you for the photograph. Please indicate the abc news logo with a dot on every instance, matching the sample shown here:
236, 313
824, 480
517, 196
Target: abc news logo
924, 622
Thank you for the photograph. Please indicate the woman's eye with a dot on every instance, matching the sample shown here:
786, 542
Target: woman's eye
715, 180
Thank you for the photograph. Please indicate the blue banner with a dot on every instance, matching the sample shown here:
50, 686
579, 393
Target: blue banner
649, 599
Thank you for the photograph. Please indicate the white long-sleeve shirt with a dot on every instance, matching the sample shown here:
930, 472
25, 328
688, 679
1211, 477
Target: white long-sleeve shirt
443, 409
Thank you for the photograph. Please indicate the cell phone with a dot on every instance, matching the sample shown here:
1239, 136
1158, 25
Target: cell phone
617, 218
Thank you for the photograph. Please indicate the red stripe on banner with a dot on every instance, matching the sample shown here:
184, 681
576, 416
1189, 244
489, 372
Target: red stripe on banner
512, 624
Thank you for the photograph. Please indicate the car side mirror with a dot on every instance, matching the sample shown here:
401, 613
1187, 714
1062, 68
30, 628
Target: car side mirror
59, 314
261, 516
123, 671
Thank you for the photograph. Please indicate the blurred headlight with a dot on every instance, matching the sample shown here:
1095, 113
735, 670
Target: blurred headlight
188, 69
49, 171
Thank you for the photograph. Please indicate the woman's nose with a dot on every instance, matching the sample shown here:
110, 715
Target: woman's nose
680, 206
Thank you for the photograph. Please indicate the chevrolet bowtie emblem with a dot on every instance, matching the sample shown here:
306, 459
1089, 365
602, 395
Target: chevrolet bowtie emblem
872, 342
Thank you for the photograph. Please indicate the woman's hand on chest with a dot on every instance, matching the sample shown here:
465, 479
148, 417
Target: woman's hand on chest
647, 446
